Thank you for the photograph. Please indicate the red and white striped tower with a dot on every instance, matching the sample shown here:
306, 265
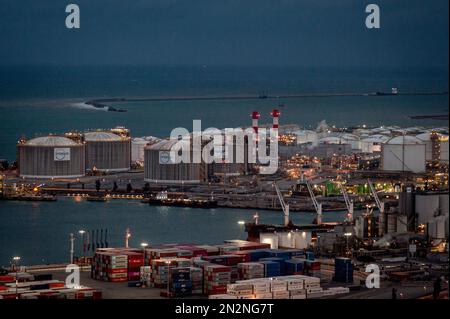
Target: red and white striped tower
275, 114
255, 118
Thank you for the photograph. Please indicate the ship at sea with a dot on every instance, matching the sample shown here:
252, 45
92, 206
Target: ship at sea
180, 200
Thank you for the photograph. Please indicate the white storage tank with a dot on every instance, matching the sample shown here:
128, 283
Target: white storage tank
107, 151
159, 167
138, 145
51, 157
426, 207
286, 239
302, 239
373, 143
306, 136
404, 154
269, 238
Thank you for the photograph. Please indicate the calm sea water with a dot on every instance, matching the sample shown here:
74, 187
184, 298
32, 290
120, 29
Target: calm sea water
39, 231
38, 100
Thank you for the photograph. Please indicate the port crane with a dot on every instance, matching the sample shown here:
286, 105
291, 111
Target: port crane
317, 205
380, 206
284, 206
348, 203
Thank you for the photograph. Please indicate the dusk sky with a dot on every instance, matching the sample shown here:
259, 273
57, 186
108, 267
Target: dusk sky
232, 32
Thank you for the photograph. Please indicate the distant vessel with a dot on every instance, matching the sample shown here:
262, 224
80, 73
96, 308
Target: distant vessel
96, 199
163, 199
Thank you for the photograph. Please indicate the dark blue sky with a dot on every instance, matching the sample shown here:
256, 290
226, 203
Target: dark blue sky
235, 32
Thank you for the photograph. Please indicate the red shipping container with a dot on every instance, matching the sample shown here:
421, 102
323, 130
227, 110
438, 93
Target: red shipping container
115, 270
245, 255
233, 260
97, 295
56, 285
8, 296
7, 278
2, 288
118, 279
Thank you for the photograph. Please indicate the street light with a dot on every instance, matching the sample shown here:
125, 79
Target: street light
168, 279
347, 235
15, 262
82, 233
127, 237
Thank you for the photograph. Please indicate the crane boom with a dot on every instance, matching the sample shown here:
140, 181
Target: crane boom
379, 203
348, 203
317, 205
284, 206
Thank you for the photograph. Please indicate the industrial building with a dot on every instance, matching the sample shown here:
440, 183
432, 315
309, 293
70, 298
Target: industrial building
436, 146
107, 151
405, 154
432, 210
51, 157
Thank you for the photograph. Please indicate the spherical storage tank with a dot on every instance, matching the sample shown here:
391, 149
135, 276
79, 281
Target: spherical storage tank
107, 151
51, 157
160, 168
403, 153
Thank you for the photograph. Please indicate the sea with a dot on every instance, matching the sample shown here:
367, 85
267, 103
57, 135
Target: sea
37, 100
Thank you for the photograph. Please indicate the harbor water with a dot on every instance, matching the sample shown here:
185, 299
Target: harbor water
39, 231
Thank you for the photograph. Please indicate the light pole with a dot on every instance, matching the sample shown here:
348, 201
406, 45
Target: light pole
15, 262
347, 235
83, 244
168, 279
72, 240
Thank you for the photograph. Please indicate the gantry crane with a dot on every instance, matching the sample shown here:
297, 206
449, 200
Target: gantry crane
348, 203
317, 205
380, 206
284, 206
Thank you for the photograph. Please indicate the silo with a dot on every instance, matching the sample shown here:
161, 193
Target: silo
51, 157
404, 154
107, 151
159, 166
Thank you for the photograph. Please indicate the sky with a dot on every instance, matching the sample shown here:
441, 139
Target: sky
413, 33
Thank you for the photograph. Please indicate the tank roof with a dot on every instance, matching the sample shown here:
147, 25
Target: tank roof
51, 141
404, 139
101, 136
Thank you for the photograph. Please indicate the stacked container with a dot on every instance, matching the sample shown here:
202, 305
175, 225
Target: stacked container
280, 261
180, 282
250, 270
343, 270
217, 277
294, 267
197, 280
271, 268
110, 266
